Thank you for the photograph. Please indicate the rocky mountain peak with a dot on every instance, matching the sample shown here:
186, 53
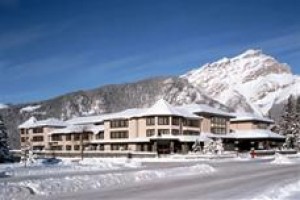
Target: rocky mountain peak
251, 78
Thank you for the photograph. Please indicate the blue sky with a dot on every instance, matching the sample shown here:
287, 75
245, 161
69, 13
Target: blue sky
50, 47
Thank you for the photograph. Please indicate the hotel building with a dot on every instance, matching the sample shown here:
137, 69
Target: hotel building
162, 128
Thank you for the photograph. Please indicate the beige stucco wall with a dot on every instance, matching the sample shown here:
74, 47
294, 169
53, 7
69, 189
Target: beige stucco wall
29, 135
242, 125
248, 125
142, 127
206, 125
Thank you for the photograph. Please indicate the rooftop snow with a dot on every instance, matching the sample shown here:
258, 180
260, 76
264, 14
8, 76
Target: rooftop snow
88, 119
250, 117
53, 122
202, 108
255, 134
79, 129
161, 107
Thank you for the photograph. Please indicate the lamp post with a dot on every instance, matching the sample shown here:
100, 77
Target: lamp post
252, 149
236, 142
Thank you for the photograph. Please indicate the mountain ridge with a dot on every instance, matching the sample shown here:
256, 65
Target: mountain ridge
253, 78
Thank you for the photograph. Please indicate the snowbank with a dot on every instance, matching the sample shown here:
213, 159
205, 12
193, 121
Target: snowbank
287, 191
281, 159
39, 167
52, 186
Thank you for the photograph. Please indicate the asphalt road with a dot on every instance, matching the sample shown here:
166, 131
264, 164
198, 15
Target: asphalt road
232, 180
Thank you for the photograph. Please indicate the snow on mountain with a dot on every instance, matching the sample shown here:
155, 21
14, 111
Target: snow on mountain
250, 82
2, 106
29, 108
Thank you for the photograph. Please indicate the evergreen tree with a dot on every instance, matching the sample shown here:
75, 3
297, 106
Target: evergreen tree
4, 150
289, 124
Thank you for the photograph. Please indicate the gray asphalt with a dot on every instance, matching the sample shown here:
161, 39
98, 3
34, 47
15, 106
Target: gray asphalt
233, 180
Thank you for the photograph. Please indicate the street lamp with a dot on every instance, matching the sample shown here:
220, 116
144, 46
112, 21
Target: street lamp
236, 142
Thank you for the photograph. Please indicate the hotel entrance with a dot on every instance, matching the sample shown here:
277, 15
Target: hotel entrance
166, 146
163, 146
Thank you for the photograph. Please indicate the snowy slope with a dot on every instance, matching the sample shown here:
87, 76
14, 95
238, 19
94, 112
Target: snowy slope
3, 106
249, 82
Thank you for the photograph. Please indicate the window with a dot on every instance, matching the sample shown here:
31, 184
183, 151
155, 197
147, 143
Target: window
218, 125
85, 136
150, 121
37, 130
99, 123
39, 148
76, 147
68, 137
150, 132
163, 121
68, 147
175, 132
101, 147
38, 139
163, 132
100, 136
191, 123
218, 130
175, 121
23, 139
56, 148
261, 125
76, 137
118, 134
118, 147
118, 123
191, 132
56, 138
23, 131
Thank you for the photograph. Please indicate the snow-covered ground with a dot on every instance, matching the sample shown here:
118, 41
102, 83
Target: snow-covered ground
24, 189
40, 179
282, 191
39, 167
281, 159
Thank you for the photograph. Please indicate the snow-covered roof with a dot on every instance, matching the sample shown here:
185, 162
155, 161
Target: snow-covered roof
255, 134
161, 107
52, 122
78, 129
241, 117
202, 108
126, 114
87, 119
